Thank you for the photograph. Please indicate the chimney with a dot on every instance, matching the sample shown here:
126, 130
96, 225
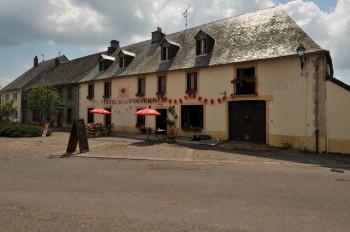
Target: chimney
114, 46
158, 35
57, 61
36, 61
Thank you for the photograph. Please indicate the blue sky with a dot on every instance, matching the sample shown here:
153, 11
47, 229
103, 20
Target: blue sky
81, 27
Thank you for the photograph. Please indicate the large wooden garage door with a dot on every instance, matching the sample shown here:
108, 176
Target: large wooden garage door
247, 121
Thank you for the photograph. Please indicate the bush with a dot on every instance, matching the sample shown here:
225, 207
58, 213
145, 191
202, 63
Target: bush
16, 130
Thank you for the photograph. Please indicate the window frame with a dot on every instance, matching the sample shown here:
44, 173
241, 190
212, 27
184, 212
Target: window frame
162, 91
69, 92
164, 57
186, 117
109, 89
237, 81
141, 91
189, 88
90, 115
91, 95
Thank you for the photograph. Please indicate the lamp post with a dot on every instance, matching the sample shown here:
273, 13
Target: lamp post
301, 53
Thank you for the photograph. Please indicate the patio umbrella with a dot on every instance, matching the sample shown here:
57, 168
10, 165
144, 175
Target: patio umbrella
100, 111
147, 112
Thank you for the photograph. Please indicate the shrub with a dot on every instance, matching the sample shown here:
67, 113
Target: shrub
16, 130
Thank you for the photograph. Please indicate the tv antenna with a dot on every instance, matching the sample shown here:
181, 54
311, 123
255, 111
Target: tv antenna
185, 14
43, 56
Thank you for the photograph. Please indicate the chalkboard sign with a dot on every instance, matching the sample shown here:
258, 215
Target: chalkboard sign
78, 135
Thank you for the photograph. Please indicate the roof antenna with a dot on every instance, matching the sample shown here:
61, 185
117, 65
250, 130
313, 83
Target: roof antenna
59, 53
43, 56
185, 14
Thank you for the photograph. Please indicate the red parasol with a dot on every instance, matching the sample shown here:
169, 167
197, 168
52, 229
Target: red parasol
100, 111
147, 111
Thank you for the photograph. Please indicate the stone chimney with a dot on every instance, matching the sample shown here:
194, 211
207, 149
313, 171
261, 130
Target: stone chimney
114, 46
36, 61
158, 35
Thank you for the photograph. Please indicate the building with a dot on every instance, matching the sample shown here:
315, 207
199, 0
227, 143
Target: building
257, 77
65, 80
17, 89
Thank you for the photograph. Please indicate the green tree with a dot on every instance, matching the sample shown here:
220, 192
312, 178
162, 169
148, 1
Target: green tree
45, 100
7, 110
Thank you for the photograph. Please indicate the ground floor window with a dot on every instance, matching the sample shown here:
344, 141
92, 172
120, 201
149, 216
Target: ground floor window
90, 116
192, 117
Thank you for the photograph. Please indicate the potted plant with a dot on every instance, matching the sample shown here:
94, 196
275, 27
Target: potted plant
171, 123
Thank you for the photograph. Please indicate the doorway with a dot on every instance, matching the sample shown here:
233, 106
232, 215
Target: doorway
161, 119
108, 117
247, 121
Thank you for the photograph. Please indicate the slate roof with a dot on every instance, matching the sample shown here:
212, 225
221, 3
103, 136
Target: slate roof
263, 34
33, 75
71, 72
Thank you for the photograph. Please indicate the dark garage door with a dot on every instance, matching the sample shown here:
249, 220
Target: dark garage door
247, 121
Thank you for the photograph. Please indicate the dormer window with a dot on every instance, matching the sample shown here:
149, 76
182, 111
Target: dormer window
105, 61
165, 53
168, 49
204, 43
125, 58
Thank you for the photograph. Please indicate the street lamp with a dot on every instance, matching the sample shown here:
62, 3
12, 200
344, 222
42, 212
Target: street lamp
301, 53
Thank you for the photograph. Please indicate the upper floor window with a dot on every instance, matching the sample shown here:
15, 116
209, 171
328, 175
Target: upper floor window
245, 82
204, 43
125, 58
14, 96
141, 87
165, 53
105, 61
168, 49
69, 92
161, 85
107, 89
91, 91
191, 82
201, 47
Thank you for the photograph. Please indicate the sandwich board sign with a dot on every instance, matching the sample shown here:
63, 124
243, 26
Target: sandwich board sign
78, 136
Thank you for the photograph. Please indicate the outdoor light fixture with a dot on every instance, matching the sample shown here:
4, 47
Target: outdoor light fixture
301, 53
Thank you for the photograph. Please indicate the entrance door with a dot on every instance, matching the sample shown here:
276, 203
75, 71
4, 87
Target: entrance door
247, 121
161, 119
108, 117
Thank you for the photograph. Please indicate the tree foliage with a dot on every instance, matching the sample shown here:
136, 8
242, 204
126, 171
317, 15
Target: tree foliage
7, 110
45, 100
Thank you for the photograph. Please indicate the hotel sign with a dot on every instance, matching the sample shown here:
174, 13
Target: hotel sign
131, 101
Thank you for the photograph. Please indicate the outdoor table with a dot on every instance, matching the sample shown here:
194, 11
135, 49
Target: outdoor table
161, 135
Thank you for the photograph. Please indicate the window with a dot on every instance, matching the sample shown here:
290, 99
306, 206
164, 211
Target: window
201, 47
7, 97
191, 82
69, 116
161, 85
245, 81
121, 62
192, 117
91, 91
141, 87
35, 116
140, 121
90, 116
16, 114
60, 92
108, 90
69, 93
14, 96
165, 54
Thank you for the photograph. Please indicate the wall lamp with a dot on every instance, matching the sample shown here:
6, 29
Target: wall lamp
301, 53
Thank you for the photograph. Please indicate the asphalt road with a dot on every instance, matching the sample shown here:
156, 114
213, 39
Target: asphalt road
76, 194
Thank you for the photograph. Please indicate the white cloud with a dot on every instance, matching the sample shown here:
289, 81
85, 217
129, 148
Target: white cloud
331, 29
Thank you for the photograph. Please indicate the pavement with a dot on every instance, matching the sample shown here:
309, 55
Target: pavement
205, 188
